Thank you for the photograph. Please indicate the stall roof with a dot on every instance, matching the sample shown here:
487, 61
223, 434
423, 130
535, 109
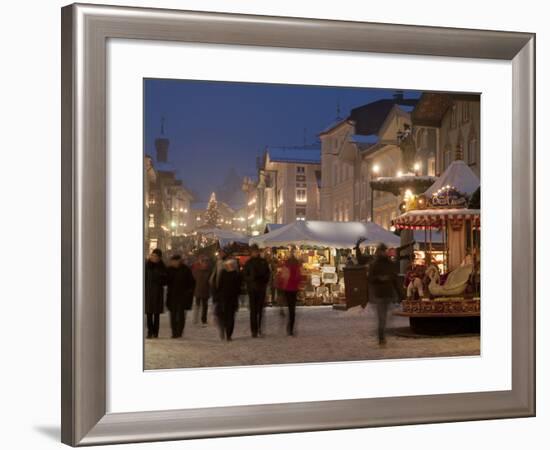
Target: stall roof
459, 175
317, 233
225, 237
273, 226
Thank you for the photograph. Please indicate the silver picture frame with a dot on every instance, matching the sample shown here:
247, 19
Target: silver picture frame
85, 31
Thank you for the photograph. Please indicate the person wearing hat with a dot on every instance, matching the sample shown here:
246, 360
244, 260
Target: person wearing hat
179, 298
256, 274
155, 280
384, 286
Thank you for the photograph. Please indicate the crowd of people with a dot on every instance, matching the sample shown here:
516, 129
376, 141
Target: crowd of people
223, 280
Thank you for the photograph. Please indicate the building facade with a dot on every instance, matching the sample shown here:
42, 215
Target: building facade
288, 187
356, 150
167, 202
448, 126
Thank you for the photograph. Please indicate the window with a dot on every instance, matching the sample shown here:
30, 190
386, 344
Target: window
431, 166
151, 221
465, 112
453, 116
300, 170
301, 213
301, 195
472, 150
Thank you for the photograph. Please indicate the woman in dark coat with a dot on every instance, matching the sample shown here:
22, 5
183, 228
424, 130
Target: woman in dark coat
229, 289
179, 297
384, 288
155, 280
201, 272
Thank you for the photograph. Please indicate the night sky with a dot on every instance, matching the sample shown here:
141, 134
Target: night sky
214, 127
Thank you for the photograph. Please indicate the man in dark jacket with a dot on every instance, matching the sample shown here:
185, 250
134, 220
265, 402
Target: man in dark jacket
155, 280
180, 294
256, 274
228, 300
384, 286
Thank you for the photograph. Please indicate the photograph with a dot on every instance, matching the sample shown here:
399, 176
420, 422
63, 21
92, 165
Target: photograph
293, 224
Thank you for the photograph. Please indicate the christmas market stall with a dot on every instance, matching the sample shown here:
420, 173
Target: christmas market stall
325, 248
443, 293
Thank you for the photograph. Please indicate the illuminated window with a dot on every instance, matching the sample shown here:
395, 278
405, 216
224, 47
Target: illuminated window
301, 195
301, 213
151, 221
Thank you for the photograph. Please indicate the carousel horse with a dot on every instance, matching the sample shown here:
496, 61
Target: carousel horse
455, 284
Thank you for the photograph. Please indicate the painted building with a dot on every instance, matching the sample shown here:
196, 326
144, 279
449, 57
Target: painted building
288, 187
356, 149
448, 126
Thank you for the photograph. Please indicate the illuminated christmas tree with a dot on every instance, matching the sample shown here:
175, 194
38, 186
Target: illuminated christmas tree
212, 215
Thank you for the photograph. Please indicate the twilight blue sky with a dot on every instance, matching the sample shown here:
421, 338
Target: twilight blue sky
216, 126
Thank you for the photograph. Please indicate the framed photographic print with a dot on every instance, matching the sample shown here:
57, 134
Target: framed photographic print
285, 217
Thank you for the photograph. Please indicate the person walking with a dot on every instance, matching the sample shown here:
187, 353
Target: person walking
202, 270
228, 299
291, 277
384, 287
155, 280
256, 275
179, 298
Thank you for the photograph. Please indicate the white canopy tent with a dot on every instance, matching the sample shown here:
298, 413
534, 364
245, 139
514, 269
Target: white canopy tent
224, 237
459, 175
316, 233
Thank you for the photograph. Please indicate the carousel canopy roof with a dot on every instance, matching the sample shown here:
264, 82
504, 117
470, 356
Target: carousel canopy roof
459, 175
435, 218
317, 233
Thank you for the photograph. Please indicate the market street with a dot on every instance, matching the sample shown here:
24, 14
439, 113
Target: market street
323, 334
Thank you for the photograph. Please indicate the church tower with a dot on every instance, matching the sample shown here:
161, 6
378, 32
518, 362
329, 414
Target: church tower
161, 144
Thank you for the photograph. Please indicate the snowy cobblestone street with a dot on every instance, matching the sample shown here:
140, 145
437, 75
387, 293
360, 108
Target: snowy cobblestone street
323, 335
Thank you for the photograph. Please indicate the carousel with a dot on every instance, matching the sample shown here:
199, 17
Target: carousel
444, 297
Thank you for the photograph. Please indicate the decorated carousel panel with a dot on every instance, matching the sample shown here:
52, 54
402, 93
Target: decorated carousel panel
443, 298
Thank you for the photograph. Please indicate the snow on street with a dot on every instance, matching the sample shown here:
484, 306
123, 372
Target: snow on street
322, 335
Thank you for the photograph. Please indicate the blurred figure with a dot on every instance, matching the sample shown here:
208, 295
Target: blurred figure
291, 277
201, 273
228, 299
179, 299
384, 284
155, 280
256, 274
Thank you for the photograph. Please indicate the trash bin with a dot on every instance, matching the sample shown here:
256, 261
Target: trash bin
355, 279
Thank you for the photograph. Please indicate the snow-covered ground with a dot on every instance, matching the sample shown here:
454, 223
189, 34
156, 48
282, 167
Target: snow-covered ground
322, 334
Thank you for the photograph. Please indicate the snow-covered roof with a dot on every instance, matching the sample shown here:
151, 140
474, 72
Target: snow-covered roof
333, 124
317, 233
459, 175
406, 108
225, 237
301, 155
364, 139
